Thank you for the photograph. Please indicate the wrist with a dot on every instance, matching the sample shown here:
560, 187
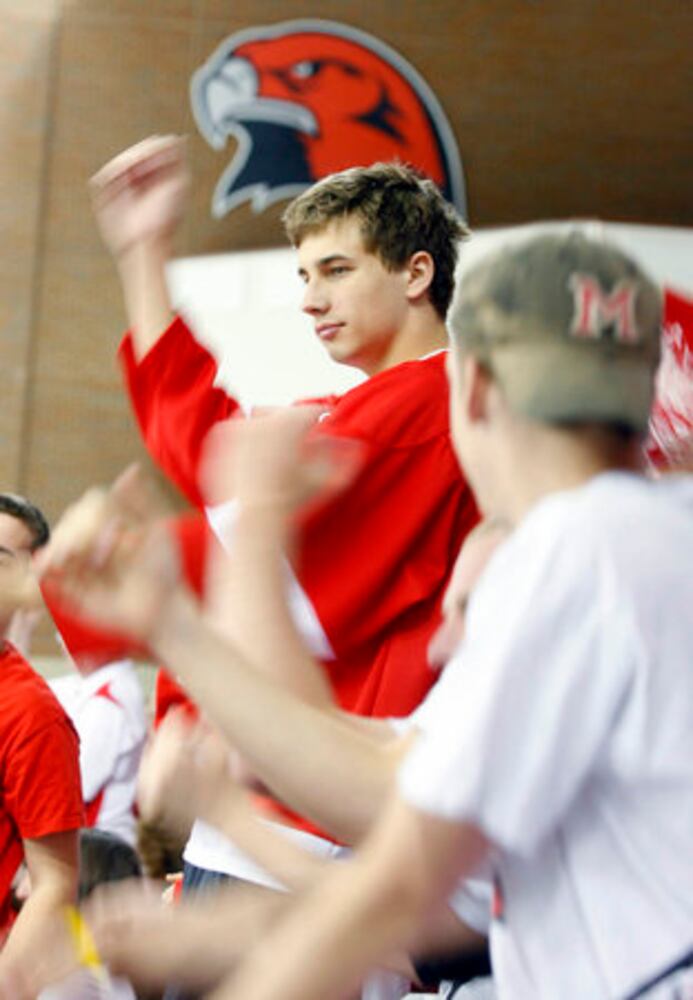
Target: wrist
154, 250
176, 623
227, 809
268, 511
142, 270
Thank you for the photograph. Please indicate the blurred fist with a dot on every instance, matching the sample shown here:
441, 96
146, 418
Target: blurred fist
140, 196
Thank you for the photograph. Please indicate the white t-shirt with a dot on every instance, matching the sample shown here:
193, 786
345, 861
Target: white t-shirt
82, 985
564, 731
108, 712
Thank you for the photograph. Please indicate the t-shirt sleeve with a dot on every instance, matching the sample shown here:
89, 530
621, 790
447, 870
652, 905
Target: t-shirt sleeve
43, 788
176, 402
525, 707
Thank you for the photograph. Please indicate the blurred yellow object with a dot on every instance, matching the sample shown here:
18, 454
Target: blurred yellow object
85, 946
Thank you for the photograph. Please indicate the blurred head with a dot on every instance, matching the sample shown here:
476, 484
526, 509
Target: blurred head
104, 857
22, 522
476, 551
23, 530
561, 331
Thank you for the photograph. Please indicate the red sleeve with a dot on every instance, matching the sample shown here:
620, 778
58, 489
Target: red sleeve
194, 537
176, 402
87, 640
43, 790
168, 695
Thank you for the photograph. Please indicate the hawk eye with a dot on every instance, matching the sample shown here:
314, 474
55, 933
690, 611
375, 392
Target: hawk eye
305, 69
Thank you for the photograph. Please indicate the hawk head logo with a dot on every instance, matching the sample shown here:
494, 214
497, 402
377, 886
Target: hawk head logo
307, 98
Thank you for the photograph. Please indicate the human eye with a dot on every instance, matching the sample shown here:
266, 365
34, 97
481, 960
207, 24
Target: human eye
336, 270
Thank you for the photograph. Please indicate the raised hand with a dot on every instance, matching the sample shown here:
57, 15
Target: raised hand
140, 196
185, 774
113, 560
278, 459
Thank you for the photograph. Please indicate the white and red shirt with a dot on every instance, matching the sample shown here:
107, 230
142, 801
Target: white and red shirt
107, 709
563, 729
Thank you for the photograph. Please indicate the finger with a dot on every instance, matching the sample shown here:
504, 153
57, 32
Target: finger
332, 464
147, 156
135, 497
76, 531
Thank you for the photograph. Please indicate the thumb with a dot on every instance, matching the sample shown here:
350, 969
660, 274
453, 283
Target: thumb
135, 496
333, 464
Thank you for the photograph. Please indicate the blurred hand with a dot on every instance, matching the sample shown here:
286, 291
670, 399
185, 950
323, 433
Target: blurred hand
140, 195
112, 560
278, 459
185, 774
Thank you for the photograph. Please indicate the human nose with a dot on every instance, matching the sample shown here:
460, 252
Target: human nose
314, 299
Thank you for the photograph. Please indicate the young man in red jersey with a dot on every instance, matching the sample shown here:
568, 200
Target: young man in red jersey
377, 249
40, 791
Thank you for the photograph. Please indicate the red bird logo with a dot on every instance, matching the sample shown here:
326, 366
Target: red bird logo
306, 98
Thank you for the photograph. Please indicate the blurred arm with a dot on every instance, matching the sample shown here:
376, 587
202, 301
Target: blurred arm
362, 911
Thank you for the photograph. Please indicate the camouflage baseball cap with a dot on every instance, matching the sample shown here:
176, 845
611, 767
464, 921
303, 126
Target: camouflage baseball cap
569, 325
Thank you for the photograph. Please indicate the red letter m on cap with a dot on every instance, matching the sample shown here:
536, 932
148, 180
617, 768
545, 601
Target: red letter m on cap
597, 311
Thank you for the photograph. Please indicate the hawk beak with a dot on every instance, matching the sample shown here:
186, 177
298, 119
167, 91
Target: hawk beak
226, 95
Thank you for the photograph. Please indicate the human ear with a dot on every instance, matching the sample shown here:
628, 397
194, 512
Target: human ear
420, 271
477, 382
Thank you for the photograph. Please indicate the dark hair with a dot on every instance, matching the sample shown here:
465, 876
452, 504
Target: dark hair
104, 857
161, 851
29, 515
400, 211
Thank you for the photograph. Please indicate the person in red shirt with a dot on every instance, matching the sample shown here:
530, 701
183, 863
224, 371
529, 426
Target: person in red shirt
376, 250
40, 791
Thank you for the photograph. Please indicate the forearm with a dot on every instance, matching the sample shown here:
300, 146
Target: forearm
142, 271
249, 601
36, 917
362, 912
310, 758
195, 943
295, 867
326, 945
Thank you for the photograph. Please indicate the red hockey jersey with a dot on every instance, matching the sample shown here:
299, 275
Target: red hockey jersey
375, 561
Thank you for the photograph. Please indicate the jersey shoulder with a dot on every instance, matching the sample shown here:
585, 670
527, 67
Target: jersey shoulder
404, 406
